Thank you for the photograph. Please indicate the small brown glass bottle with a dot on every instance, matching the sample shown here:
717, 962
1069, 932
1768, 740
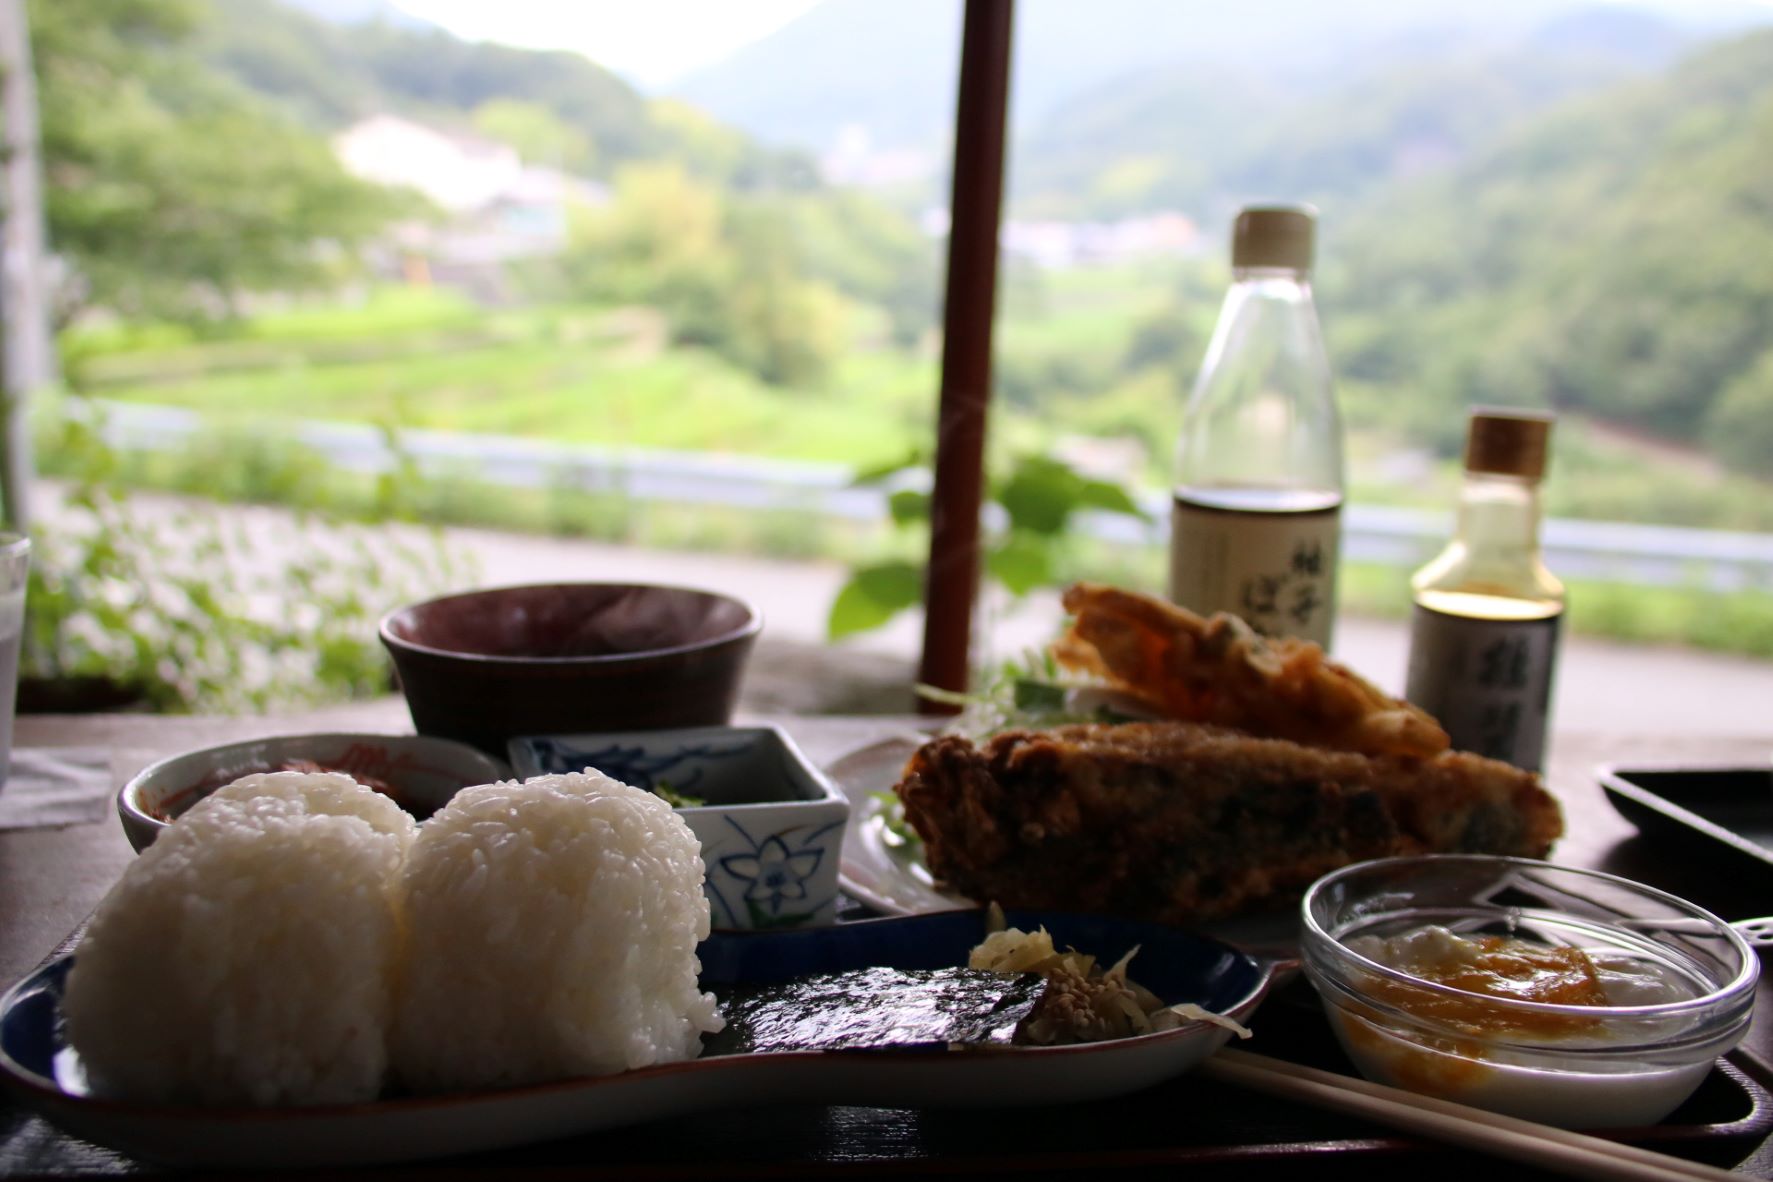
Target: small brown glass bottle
1485, 628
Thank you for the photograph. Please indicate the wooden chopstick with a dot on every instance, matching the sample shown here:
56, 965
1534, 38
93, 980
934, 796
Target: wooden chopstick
1558, 1150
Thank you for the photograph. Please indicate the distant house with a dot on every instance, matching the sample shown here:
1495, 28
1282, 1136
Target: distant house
459, 173
1058, 245
496, 207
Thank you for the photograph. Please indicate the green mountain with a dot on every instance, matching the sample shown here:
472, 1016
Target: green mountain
1204, 139
328, 74
1606, 258
889, 65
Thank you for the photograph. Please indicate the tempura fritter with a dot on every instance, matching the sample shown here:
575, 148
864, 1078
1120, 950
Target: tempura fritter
1176, 821
1222, 671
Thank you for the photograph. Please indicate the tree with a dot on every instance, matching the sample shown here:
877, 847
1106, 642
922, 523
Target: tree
726, 271
171, 192
1740, 425
787, 329
540, 136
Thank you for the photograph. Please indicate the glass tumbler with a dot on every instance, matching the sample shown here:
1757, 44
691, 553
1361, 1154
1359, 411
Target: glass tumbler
15, 568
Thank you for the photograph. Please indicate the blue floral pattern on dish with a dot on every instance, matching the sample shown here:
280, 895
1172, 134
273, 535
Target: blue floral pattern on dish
634, 763
775, 874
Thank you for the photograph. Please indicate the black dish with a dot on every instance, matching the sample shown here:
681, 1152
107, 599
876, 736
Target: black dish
1727, 811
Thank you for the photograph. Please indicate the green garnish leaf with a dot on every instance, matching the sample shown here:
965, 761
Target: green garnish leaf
676, 799
896, 831
1043, 696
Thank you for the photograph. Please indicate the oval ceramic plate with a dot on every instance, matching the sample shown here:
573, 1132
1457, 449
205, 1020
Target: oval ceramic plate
887, 875
880, 871
45, 1072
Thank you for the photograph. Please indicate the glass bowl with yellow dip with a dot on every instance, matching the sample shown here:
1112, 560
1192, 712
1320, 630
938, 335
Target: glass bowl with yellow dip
1566, 996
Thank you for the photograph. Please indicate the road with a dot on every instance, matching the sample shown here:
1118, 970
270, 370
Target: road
1402, 537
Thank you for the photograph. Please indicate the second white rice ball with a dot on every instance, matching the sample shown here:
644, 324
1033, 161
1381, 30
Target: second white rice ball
553, 927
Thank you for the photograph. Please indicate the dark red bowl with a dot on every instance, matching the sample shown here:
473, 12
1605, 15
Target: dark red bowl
487, 666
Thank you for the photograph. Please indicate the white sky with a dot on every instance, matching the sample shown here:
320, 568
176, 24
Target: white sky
650, 42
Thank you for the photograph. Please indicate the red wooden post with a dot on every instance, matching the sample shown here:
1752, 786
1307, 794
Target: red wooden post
951, 582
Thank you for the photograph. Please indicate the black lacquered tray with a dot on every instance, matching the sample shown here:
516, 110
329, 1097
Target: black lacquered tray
1213, 1130
1720, 812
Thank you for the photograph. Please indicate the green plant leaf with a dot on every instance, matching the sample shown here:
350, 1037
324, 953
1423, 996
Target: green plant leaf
910, 461
909, 507
1021, 562
1032, 696
1039, 495
1106, 497
874, 595
762, 920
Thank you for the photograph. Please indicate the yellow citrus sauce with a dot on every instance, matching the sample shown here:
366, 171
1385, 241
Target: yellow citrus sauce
1490, 972
1501, 967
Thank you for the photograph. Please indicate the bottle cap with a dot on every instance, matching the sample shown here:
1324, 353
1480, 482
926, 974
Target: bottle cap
1273, 236
1508, 442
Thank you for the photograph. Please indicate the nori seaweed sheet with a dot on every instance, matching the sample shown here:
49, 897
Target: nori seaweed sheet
875, 1009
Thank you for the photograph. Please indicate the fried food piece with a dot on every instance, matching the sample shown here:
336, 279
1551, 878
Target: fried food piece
1222, 671
1177, 822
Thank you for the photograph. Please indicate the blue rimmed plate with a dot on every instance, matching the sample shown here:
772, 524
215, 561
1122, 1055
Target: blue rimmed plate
37, 1064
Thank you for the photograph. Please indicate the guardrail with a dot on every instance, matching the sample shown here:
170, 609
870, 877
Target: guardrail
1610, 551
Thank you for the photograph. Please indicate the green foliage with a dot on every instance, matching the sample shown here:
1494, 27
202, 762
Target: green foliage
431, 69
171, 191
725, 270
1206, 137
1122, 149
540, 136
870, 253
1602, 260
1038, 497
723, 156
308, 68
1740, 423
558, 108
1738, 622
576, 373
195, 612
873, 595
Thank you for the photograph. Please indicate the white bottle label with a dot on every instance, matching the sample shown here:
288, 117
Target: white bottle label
1268, 557
1487, 681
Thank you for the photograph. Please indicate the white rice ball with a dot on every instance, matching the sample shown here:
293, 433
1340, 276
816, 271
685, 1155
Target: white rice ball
552, 933
248, 955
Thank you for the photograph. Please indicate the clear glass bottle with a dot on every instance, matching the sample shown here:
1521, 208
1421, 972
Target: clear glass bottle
1256, 519
1484, 631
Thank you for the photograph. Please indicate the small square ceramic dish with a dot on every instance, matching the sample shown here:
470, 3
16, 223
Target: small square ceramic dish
770, 823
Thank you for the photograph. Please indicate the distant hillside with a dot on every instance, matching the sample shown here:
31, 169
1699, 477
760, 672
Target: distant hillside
1204, 139
359, 12
327, 75
1608, 257
889, 65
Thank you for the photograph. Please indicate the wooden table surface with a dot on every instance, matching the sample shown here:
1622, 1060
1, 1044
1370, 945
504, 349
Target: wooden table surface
50, 879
